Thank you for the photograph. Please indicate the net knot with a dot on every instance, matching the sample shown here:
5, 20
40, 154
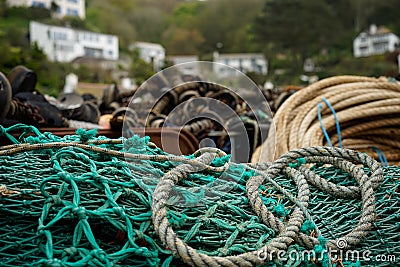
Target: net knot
204, 219
145, 252
65, 176
136, 144
85, 135
21, 256
100, 179
223, 251
54, 263
299, 162
219, 162
100, 254
71, 251
307, 227
222, 204
242, 227
56, 199
3, 131
40, 229
120, 211
280, 210
80, 212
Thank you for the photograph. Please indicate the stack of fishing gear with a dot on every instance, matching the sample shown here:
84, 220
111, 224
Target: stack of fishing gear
197, 98
82, 200
355, 112
20, 102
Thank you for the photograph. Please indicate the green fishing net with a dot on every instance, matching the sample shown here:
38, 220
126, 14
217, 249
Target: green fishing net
75, 206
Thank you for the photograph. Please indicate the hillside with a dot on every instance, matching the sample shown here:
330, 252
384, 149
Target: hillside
201, 27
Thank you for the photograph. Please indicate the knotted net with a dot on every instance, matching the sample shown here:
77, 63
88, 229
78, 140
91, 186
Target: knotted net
82, 200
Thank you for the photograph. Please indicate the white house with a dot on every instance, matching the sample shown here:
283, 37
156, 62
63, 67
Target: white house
244, 62
64, 44
62, 7
187, 64
376, 41
151, 53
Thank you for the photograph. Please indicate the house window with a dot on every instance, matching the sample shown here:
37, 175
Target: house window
59, 36
381, 47
72, 12
73, 1
110, 40
93, 52
38, 4
110, 53
64, 48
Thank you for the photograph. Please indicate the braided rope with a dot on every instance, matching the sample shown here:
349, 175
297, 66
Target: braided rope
330, 155
189, 255
361, 104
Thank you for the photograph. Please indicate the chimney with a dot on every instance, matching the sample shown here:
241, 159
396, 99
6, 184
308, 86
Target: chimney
372, 29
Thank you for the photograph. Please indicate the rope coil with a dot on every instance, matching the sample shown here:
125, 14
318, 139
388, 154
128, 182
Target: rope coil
367, 110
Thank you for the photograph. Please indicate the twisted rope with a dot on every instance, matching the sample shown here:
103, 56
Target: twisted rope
337, 157
192, 257
362, 105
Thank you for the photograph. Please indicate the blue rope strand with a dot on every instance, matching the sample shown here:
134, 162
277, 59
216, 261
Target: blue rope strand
382, 157
336, 122
322, 125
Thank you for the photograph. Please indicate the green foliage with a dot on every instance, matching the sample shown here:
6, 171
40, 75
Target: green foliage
184, 14
16, 36
386, 13
15, 48
300, 26
374, 66
181, 41
225, 22
140, 70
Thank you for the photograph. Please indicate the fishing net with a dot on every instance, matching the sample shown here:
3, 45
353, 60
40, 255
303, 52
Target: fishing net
83, 200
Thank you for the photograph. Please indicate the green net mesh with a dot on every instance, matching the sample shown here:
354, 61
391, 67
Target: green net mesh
70, 206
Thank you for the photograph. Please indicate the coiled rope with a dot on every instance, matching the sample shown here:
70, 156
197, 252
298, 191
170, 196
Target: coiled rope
367, 110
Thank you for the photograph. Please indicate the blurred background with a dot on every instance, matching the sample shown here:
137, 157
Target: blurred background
275, 42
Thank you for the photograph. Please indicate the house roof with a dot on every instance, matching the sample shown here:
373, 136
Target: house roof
148, 45
77, 30
86, 59
383, 30
374, 30
240, 55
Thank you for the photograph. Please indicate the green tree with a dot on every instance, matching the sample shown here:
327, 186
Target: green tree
102, 16
386, 13
140, 70
180, 41
225, 22
301, 27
